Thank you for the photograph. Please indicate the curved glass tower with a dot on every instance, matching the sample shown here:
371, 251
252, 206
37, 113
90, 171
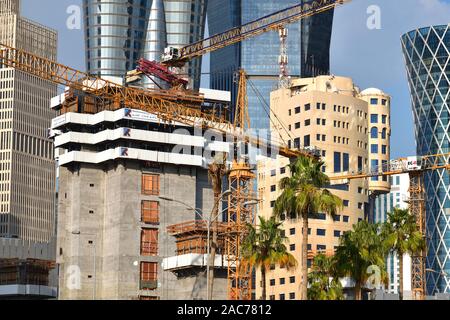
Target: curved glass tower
426, 51
119, 32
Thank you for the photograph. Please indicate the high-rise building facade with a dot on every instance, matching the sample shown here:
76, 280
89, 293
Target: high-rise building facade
27, 166
385, 203
426, 52
129, 204
118, 33
325, 113
308, 54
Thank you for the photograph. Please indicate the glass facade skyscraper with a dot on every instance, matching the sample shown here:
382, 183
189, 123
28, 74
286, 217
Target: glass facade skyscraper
426, 51
119, 32
308, 54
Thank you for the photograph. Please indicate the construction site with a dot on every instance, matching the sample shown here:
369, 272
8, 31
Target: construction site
158, 181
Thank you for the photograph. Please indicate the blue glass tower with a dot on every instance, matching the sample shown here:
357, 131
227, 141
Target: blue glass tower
426, 51
308, 48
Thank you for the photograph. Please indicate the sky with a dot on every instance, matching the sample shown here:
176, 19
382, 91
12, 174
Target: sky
372, 57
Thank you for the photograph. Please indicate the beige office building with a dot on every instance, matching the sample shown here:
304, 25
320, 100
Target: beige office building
328, 114
27, 168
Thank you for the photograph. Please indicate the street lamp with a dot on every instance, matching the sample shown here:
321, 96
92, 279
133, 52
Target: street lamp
78, 233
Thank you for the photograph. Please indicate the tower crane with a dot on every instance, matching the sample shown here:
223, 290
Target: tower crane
185, 107
415, 167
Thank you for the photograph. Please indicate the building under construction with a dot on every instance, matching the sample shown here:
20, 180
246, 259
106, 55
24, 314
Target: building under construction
121, 187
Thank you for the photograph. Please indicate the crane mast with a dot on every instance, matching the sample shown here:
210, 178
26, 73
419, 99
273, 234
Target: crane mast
415, 167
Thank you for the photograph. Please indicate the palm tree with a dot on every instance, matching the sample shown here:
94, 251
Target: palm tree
304, 195
323, 284
216, 172
402, 236
264, 247
358, 250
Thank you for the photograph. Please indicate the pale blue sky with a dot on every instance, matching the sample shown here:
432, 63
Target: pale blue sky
373, 58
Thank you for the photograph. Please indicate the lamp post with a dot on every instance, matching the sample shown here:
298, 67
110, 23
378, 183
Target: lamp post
78, 233
209, 225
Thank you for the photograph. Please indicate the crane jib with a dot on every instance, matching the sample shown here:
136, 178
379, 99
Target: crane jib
271, 21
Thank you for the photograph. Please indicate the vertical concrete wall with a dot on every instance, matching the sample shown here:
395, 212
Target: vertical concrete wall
100, 214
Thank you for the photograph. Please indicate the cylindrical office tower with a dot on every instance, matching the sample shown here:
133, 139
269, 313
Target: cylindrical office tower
119, 32
379, 127
114, 34
426, 52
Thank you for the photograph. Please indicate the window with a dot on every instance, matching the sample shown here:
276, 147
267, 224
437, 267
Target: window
337, 218
150, 212
360, 205
282, 296
373, 118
297, 125
297, 143
282, 281
307, 107
324, 106
292, 280
149, 242
149, 273
318, 137
346, 218
307, 122
346, 203
273, 173
282, 170
292, 296
321, 232
273, 188
292, 247
360, 163
384, 102
384, 119
290, 112
318, 106
272, 297
337, 162
272, 204
321, 247
150, 184
297, 110
345, 161
272, 282
374, 167
337, 233
292, 231
307, 141
374, 133
318, 121
384, 133
384, 149
373, 101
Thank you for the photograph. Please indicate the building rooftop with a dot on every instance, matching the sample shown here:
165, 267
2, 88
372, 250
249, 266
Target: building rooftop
372, 92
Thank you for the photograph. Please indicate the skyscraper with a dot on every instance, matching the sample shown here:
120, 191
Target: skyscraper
308, 50
27, 166
118, 33
426, 52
